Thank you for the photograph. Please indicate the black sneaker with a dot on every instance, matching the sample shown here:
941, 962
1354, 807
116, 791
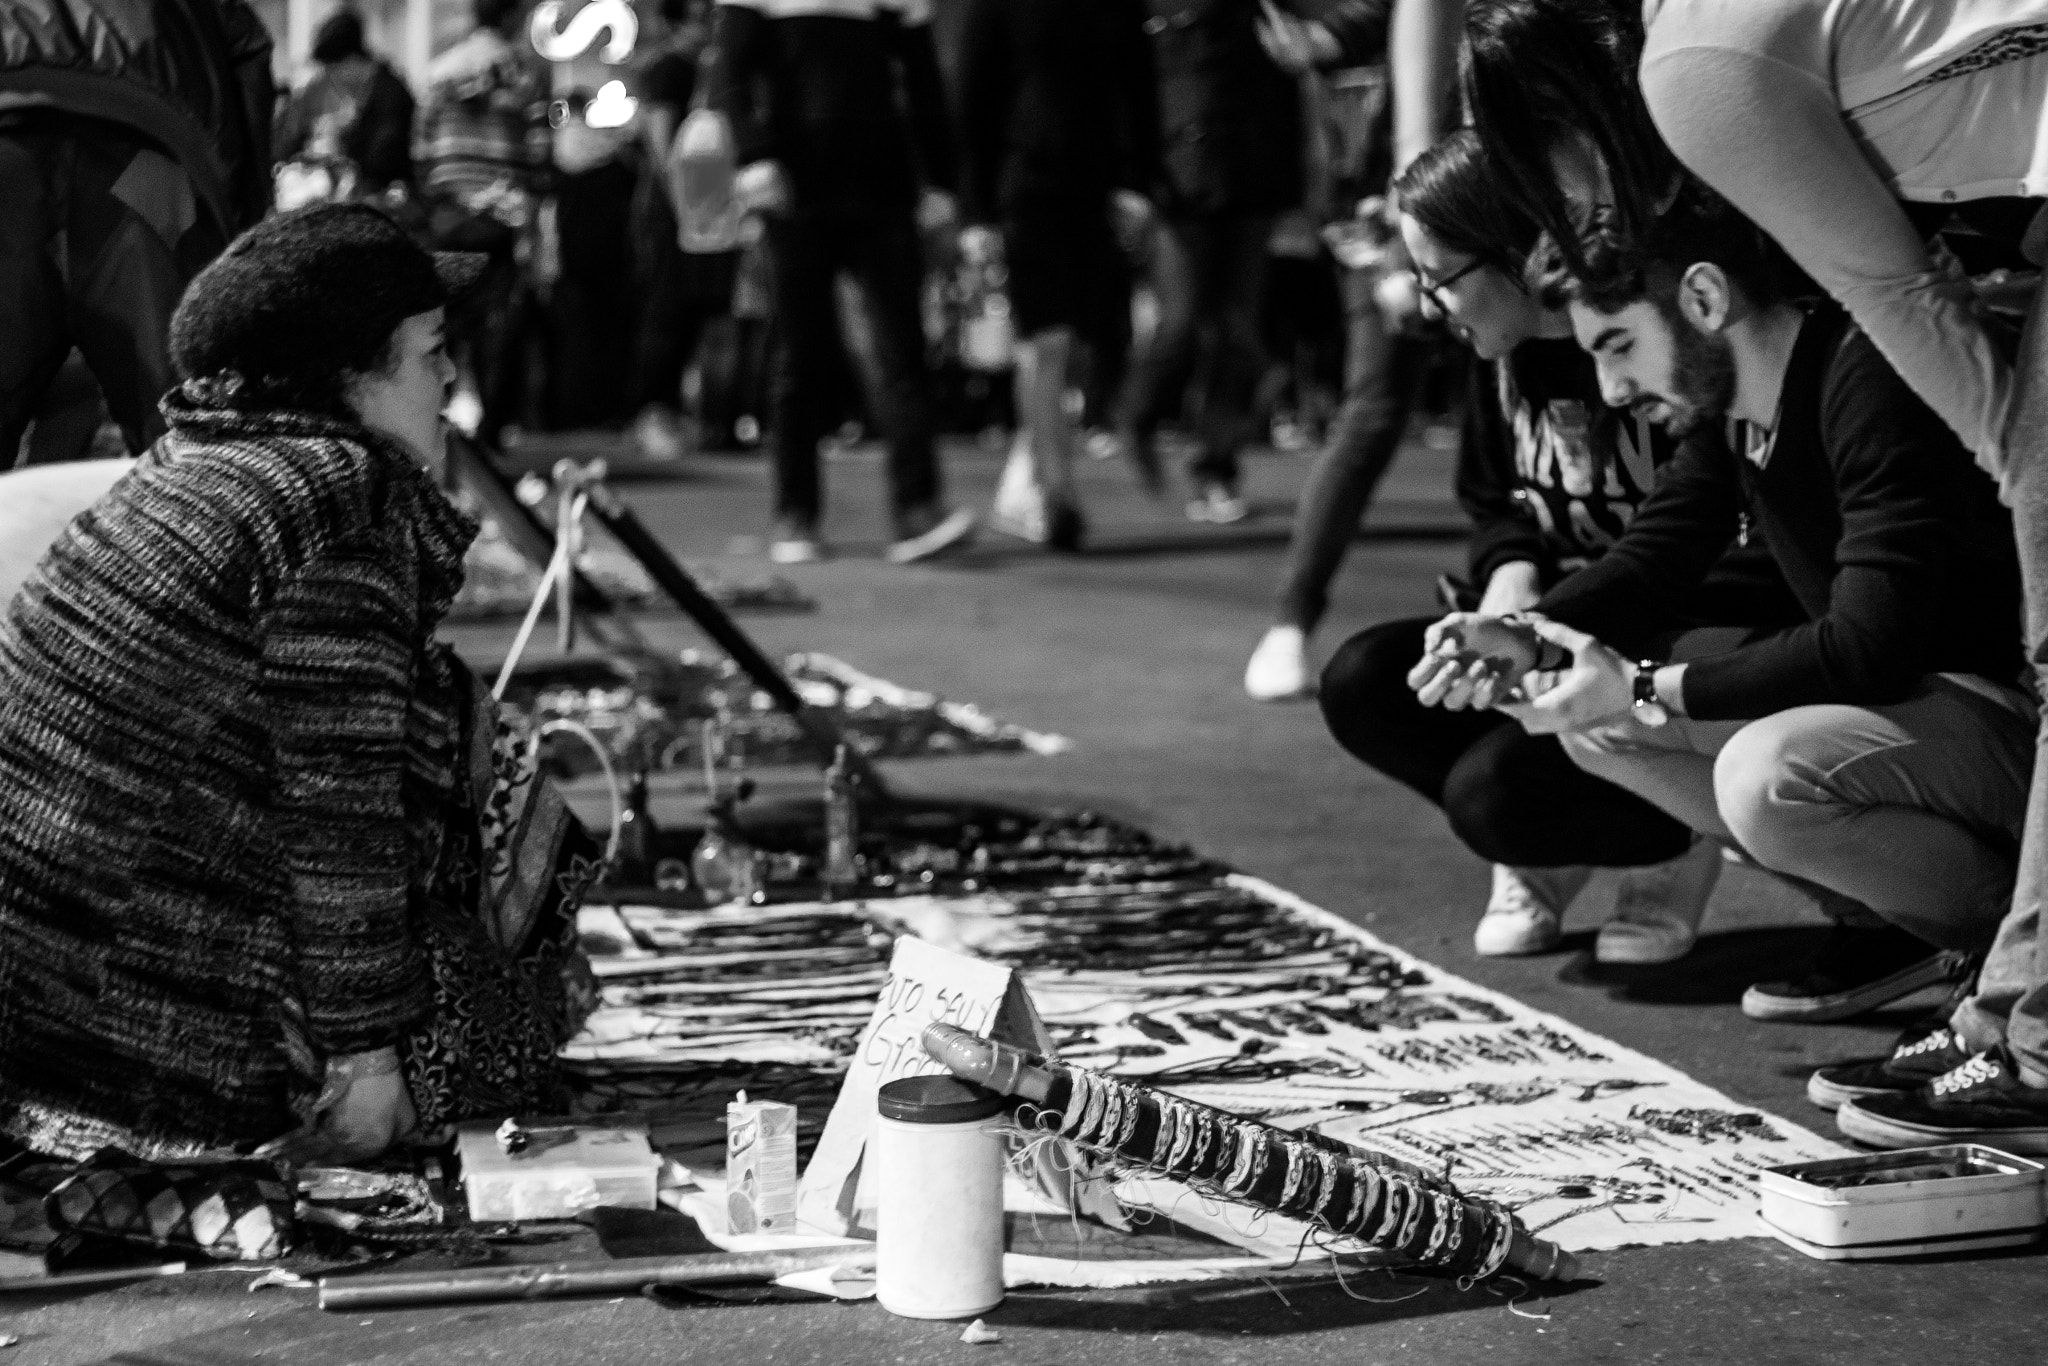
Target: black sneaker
1143, 453
1918, 1059
1982, 1101
1856, 970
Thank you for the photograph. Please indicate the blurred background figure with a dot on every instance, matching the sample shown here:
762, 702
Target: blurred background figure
846, 149
346, 130
484, 150
1231, 129
689, 267
586, 274
1060, 118
1373, 120
134, 142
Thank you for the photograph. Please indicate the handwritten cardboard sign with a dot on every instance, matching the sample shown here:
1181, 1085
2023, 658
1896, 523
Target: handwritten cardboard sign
926, 984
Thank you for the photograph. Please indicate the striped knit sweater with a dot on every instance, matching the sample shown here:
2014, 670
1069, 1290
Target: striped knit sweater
227, 738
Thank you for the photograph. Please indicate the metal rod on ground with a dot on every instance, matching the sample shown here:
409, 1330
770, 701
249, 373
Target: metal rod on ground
716, 622
558, 1280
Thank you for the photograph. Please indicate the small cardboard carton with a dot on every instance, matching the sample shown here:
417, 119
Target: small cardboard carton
760, 1166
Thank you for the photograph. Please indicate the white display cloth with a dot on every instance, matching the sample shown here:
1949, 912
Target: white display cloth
1523, 1106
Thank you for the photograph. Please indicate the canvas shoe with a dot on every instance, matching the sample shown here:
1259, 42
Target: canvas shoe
925, 532
658, 434
1020, 507
1217, 504
1982, 1101
1525, 914
1280, 669
795, 542
1065, 528
1657, 910
1856, 970
1917, 1059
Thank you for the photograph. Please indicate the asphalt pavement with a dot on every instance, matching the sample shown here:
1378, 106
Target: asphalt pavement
1136, 650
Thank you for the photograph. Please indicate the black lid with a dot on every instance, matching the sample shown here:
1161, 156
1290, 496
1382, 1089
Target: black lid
939, 1100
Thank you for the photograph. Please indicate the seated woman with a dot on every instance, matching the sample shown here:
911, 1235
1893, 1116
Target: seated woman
1550, 476
268, 871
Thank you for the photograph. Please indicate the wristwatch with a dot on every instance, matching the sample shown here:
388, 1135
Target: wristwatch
1645, 705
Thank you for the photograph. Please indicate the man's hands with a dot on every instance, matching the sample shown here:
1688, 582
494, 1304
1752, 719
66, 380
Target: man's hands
1598, 687
1475, 661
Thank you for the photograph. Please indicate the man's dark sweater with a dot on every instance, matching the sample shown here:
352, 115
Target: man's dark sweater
814, 85
1888, 535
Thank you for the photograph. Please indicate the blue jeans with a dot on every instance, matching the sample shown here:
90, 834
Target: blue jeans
1209, 273
1381, 372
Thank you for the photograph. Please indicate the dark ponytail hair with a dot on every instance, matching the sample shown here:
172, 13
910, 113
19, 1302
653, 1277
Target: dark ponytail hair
1452, 191
1537, 70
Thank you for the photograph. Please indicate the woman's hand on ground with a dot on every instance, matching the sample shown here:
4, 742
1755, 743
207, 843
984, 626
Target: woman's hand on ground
1469, 660
372, 1113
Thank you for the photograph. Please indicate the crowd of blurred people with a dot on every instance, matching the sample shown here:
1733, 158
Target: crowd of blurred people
950, 217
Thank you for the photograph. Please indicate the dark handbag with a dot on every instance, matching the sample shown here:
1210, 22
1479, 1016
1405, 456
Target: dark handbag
227, 1211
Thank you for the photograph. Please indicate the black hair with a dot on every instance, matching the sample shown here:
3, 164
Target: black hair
1615, 268
1536, 70
339, 36
324, 392
495, 14
1452, 192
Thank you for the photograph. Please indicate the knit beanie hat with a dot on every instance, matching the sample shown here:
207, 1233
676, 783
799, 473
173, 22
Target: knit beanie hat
311, 293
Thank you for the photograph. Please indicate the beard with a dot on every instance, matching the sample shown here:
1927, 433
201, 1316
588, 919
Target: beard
1702, 378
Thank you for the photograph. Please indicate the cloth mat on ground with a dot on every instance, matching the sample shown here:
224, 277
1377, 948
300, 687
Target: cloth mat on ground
1227, 990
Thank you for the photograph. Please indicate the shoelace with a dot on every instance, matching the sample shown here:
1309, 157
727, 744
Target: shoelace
1977, 1069
1933, 1043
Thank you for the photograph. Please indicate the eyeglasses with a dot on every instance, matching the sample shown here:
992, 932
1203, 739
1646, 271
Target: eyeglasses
1433, 290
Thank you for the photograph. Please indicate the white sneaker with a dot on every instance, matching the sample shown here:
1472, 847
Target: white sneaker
658, 434
1526, 911
1280, 669
945, 533
1218, 505
1657, 910
1019, 508
794, 543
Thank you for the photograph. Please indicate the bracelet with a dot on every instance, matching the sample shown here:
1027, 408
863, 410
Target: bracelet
1545, 661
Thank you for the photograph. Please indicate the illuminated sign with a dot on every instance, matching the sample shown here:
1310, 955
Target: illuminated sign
612, 18
611, 108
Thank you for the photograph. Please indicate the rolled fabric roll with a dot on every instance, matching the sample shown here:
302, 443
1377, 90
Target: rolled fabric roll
1392, 1205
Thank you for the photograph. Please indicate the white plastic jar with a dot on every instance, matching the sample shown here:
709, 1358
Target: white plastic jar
938, 1151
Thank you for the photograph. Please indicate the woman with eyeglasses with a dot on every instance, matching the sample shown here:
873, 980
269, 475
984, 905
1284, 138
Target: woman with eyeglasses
1550, 477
